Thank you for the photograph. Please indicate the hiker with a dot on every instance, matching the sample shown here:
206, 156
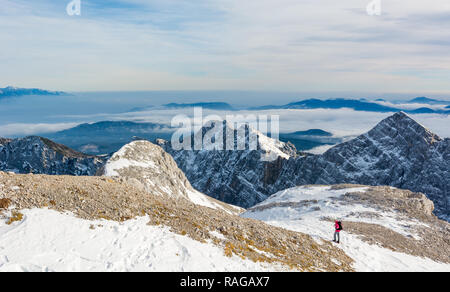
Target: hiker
337, 228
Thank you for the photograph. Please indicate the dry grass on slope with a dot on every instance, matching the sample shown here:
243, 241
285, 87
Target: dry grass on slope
433, 243
115, 199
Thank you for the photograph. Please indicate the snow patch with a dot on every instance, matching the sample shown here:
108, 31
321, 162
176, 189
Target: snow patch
47, 240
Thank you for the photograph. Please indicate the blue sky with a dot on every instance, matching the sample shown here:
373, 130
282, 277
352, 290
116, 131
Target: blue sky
260, 45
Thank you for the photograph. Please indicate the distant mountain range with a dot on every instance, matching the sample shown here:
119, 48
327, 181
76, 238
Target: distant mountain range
339, 103
15, 91
427, 100
206, 105
309, 139
109, 136
358, 105
312, 132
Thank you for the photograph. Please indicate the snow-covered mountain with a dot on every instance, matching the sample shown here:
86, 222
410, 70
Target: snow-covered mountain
385, 229
149, 166
40, 155
237, 177
15, 91
398, 152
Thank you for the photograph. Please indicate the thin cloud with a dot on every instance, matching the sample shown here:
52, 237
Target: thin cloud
23, 129
284, 45
341, 122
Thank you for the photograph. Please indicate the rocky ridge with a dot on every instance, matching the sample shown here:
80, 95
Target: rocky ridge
39, 155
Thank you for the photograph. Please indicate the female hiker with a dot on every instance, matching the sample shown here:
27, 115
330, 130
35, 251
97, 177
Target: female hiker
337, 230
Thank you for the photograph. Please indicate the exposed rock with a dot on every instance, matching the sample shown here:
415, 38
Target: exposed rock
398, 152
238, 177
40, 155
148, 166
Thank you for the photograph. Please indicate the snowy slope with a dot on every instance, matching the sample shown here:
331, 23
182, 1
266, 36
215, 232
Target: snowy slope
304, 209
47, 240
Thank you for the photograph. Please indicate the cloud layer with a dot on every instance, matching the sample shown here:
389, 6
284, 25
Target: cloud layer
342, 122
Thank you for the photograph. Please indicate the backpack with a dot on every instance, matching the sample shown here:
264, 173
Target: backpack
340, 225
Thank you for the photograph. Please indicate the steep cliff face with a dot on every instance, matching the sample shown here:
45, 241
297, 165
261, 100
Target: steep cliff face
398, 152
238, 177
40, 155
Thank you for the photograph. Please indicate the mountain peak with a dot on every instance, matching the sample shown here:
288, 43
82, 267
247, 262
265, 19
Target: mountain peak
265, 143
243, 137
397, 118
149, 167
402, 125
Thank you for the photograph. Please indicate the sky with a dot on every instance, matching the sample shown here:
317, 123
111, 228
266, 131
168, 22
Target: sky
254, 45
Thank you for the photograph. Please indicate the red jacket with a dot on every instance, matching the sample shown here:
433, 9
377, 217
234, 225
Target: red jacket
336, 226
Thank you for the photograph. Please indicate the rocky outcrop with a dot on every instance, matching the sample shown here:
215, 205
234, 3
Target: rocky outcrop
40, 155
148, 166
